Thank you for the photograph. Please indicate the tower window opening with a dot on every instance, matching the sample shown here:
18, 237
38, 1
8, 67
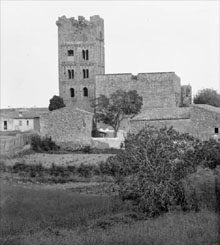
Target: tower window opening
72, 92
71, 74
85, 92
5, 125
85, 54
85, 73
70, 52
216, 131
27, 122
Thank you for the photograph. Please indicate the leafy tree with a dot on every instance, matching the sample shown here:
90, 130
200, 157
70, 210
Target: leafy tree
149, 172
207, 96
118, 106
56, 103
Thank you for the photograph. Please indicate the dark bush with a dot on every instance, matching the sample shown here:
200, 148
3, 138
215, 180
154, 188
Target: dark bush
85, 170
44, 144
87, 149
150, 169
207, 153
20, 167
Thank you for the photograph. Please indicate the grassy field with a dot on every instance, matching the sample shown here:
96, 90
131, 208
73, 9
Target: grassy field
58, 159
33, 215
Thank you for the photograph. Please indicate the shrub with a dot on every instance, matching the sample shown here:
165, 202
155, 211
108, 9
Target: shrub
87, 149
150, 169
207, 153
39, 144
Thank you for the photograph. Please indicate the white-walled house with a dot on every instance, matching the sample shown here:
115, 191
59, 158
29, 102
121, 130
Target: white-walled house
19, 120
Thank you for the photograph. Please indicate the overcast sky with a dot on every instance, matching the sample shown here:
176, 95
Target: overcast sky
145, 36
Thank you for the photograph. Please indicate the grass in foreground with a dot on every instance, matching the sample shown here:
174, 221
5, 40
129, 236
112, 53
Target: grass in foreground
55, 217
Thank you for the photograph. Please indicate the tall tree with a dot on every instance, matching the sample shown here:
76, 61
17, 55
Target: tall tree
207, 96
56, 103
118, 106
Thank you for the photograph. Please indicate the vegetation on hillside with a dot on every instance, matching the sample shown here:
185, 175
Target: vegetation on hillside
207, 96
151, 170
157, 177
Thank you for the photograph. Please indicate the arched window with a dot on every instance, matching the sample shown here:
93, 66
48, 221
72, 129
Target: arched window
87, 54
85, 92
84, 54
85, 73
72, 92
71, 74
70, 52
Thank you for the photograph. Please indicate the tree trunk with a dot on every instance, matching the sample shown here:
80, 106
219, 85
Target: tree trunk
115, 133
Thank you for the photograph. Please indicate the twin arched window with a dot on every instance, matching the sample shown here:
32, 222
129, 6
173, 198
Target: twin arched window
85, 54
85, 73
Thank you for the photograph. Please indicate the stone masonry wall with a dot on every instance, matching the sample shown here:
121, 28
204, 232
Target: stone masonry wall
67, 125
181, 125
79, 35
204, 119
157, 89
202, 123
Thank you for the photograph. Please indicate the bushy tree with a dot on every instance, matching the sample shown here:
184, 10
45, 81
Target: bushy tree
207, 96
117, 107
150, 169
56, 103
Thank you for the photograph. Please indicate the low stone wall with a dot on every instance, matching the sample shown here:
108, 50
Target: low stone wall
10, 144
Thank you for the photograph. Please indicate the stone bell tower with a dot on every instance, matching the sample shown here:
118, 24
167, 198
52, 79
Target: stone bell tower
81, 58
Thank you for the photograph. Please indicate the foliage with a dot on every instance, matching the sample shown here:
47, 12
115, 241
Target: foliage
207, 96
207, 153
54, 173
57, 217
39, 144
117, 107
56, 103
201, 188
150, 169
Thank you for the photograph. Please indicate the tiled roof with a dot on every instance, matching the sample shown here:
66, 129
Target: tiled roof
164, 114
26, 112
208, 107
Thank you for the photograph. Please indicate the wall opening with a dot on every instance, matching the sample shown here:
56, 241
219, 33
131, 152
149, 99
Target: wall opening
72, 92
71, 74
27, 122
85, 92
85, 73
216, 130
5, 125
85, 54
70, 52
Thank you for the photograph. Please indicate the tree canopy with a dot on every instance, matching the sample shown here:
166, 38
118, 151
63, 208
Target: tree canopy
117, 107
207, 96
56, 103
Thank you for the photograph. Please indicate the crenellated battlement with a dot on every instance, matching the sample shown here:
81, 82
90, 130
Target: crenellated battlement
81, 21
